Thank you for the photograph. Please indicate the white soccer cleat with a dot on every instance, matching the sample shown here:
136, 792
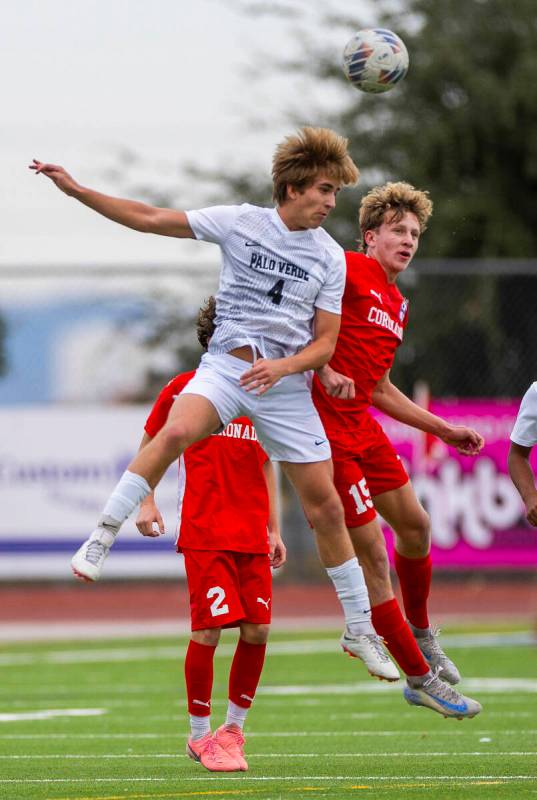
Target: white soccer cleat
87, 562
441, 697
368, 648
434, 655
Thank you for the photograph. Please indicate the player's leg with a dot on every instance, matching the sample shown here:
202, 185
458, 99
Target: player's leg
291, 432
370, 547
324, 510
424, 686
393, 496
214, 603
207, 401
255, 587
379, 468
199, 685
388, 621
411, 525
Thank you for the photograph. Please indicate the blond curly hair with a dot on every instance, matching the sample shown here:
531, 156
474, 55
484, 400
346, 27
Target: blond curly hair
399, 198
300, 157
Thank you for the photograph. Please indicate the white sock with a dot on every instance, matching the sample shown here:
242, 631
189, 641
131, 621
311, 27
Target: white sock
199, 726
349, 583
235, 714
130, 491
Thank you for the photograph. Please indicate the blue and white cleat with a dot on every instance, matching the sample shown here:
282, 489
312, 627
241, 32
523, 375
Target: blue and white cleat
427, 641
439, 696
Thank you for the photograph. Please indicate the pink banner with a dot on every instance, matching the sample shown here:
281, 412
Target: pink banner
478, 518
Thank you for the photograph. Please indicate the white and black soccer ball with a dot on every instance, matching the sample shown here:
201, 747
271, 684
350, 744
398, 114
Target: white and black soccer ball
375, 59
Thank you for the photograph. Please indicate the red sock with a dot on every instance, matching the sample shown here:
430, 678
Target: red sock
389, 623
415, 579
245, 672
199, 678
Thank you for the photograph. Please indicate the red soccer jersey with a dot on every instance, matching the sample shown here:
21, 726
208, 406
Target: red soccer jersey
223, 499
373, 319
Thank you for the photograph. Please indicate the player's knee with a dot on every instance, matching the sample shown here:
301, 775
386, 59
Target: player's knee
417, 534
327, 512
174, 436
255, 633
208, 636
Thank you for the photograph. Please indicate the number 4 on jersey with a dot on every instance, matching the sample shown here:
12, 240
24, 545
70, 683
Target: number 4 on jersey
276, 293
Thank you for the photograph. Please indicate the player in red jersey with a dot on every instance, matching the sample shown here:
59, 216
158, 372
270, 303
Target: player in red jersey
368, 473
229, 535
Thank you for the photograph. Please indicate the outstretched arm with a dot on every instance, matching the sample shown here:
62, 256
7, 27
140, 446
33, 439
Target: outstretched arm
387, 398
518, 462
132, 214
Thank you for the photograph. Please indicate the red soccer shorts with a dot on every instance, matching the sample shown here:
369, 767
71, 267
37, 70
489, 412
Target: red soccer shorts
228, 587
360, 475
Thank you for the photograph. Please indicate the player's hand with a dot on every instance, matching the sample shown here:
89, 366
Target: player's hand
336, 384
263, 374
149, 521
531, 511
57, 175
467, 441
278, 551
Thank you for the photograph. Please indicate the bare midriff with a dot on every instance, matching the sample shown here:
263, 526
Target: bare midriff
245, 353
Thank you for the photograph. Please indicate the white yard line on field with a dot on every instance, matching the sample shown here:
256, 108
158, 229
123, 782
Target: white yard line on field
292, 648
50, 713
272, 734
221, 777
155, 628
482, 685
282, 756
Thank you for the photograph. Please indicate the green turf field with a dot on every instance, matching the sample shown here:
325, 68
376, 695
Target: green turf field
108, 720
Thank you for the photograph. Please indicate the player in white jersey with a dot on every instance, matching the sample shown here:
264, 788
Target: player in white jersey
278, 307
523, 439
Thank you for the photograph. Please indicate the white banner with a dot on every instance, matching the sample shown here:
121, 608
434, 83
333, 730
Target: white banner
57, 468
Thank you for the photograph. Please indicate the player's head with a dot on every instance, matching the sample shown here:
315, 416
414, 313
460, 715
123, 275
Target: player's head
205, 322
308, 169
392, 218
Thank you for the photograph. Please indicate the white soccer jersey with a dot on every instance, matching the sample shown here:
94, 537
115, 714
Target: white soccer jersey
272, 278
524, 431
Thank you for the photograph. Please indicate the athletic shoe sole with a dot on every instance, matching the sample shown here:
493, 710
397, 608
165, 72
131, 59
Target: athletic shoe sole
413, 699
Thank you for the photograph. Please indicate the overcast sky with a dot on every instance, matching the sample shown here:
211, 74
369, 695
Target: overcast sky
84, 78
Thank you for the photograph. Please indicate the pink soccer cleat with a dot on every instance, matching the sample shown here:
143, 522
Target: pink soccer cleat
231, 739
209, 753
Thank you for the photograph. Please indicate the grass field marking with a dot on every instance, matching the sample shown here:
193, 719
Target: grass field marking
234, 792
228, 778
275, 648
163, 653
211, 792
483, 685
52, 713
282, 756
207, 792
278, 734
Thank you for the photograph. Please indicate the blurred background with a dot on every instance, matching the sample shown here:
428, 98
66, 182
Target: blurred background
181, 104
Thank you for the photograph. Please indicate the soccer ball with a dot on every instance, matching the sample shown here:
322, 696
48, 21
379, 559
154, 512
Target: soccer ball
375, 59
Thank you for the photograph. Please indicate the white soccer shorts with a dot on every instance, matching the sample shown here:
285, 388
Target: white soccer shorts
287, 423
